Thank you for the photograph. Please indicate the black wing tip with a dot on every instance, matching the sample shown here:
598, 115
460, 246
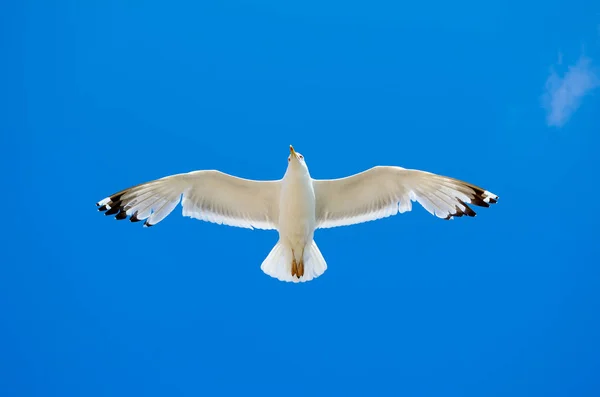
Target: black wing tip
468, 211
113, 210
479, 201
481, 198
121, 215
458, 212
116, 197
115, 205
117, 209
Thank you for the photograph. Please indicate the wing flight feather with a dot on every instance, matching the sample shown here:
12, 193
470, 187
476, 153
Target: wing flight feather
211, 196
384, 191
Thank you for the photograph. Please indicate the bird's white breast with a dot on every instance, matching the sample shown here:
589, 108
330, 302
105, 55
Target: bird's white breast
297, 210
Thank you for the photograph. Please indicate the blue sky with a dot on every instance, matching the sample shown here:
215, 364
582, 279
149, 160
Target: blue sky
103, 95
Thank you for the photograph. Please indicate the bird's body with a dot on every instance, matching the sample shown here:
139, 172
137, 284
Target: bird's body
296, 205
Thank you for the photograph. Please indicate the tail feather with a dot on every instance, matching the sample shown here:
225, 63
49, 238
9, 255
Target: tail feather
278, 263
314, 263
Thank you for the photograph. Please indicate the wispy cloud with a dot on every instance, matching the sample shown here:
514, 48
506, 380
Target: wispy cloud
563, 94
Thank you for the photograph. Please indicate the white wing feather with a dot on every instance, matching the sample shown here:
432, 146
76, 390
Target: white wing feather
211, 196
385, 191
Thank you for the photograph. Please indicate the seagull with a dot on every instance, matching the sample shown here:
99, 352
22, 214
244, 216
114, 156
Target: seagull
296, 205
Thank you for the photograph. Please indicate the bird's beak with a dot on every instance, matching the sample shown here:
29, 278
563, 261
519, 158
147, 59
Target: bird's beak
292, 151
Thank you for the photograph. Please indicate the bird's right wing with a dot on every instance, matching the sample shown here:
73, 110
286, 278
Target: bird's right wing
384, 191
211, 196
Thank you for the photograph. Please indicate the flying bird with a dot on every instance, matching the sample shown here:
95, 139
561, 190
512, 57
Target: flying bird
296, 205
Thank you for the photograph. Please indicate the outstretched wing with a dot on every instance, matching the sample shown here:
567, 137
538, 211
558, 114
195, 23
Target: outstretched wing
211, 196
384, 191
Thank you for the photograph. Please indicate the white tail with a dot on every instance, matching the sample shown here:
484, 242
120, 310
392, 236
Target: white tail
278, 263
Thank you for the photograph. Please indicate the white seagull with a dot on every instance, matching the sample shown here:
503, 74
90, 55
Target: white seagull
296, 205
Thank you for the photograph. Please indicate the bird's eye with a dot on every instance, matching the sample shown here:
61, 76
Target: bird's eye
301, 157
289, 158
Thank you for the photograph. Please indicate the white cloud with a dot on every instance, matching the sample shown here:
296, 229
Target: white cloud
563, 94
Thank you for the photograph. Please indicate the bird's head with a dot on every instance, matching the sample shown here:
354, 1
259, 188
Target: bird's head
296, 160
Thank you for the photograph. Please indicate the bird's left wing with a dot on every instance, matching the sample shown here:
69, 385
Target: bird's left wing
211, 196
384, 191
